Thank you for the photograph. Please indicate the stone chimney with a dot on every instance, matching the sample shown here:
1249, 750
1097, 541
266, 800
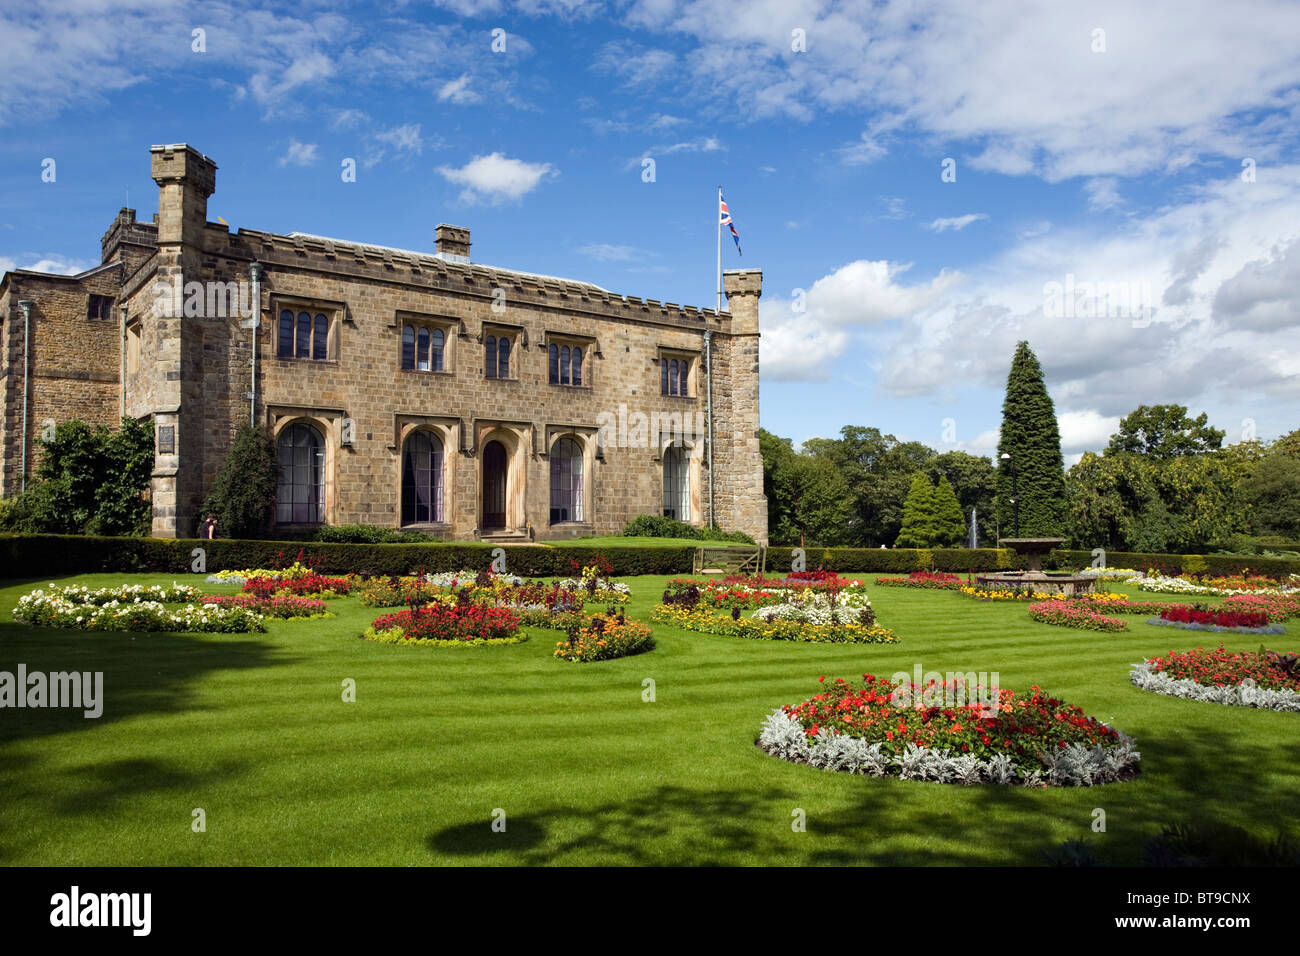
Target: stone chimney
452, 242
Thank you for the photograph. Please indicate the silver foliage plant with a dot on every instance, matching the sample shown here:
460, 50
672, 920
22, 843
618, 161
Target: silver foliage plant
1073, 766
1248, 694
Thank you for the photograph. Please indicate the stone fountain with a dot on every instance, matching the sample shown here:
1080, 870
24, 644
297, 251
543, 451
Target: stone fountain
1034, 577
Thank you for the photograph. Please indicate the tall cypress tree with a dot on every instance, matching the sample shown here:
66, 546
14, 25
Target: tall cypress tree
1031, 436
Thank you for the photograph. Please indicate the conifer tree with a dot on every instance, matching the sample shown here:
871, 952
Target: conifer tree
951, 525
1031, 437
920, 519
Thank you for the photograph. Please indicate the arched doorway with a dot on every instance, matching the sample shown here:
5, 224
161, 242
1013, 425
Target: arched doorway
494, 486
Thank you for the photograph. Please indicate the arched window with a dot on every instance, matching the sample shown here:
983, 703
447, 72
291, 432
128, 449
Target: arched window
300, 492
320, 339
553, 353
564, 365
285, 346
303, 349
435, 358
408, 347
566, 481
672, 378
490, 357
577, 365
422, 350
422, 479
677, 484
663, 376
503, 351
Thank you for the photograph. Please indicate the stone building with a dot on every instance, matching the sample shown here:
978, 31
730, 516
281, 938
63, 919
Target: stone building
403, 389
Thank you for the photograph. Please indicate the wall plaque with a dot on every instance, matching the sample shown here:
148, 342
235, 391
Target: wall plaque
166, 439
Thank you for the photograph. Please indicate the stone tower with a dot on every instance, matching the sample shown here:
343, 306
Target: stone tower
736, 432
185, 178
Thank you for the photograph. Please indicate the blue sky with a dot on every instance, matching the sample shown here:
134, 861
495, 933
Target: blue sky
1111, 158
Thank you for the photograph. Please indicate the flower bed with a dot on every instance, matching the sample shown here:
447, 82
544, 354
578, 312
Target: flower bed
1007, 594
938, 580
299, 586
1276, 607
604, 637
132, 608
1201, 618
1222, 587
285, 607
443, 625
777, 629
1069, 614
874, 729
1119, 603
1264, 679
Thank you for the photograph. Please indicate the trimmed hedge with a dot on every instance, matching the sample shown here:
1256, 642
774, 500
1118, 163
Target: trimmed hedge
45, 555
48, 555
1214, 565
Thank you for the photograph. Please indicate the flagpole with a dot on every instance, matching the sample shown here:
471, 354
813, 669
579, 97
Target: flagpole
718, 217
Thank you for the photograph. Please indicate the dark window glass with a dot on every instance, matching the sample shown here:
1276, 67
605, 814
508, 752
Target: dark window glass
303, 346
422, 479
285, 347
554, 355
564, 365
408, 347
577, 365
503, 365
300, 492
566, 481
422, 350
435, 358
321, 339
490, 357
663, 376
672, 377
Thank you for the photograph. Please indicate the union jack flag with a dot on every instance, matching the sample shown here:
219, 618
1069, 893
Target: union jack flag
725, 219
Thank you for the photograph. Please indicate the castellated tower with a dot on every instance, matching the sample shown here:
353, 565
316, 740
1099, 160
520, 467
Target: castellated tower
738, 463
185, 178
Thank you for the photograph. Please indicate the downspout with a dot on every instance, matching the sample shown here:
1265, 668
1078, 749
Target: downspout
708, 412
26, 306
255, 275
121, 371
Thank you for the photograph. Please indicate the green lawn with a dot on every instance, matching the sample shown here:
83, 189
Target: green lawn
252, 729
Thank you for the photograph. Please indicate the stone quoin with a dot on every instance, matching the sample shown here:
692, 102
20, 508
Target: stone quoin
403, 389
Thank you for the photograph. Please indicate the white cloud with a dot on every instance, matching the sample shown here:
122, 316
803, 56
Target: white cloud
955, 223
1020, 81
56, 265
1085, 429
496, 177
458, 91
299, 154
1103, 192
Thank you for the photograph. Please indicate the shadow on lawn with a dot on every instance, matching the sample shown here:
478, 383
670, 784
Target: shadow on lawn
702, 827
143, 673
